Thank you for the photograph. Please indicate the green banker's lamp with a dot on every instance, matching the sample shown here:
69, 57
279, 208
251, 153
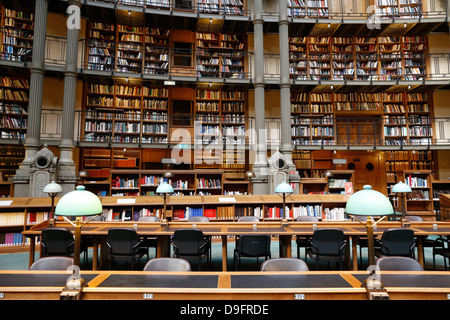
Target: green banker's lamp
402, 189
285, 190
164, 189
78, 203
369, 203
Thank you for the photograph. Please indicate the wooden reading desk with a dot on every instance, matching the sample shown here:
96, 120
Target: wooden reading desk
307, 285
352, 230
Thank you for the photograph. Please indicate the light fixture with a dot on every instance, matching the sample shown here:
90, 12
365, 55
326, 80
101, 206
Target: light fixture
249, 174
401, 189
52, 189
83, 174
369, 203
78, 203
164, 190
169, 83
285, 190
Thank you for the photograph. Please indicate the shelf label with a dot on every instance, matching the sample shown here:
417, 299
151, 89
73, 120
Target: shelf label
299, 296
126, 201
6, 203
227, 199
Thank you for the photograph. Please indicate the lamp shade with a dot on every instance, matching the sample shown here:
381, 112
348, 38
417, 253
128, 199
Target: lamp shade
401, 187
79, 202
369, 202
52, 188
164, 188
284, 188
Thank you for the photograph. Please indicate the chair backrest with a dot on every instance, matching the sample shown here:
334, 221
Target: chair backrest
308, 219
413, 218
248, 219
189, 241
198, 219
122, 240
398, 264
149, 218
284, 264
52, 263
254, 245
99, 218
57, 241
328, 241
397, 242
167, 264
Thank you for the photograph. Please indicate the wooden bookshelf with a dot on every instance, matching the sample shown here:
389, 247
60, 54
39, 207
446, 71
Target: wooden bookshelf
400, 118
220, 55
17, 35
358, 58
305, 8
13, 107
126, 113
420, 201
156, 55
337, 180
399, 9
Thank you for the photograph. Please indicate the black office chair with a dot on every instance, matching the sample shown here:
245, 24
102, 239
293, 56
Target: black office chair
327, 244
252, 245
396, 242
124, 244
52, 263
248, 219
149, 219
198, 219
303, 241
149, 242
427, 242
167, 264
190, 243
245, 219
441, 248
284, 264
395, 263
59, 242
202, 219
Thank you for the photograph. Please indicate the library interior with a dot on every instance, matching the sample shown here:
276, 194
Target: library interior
200, 135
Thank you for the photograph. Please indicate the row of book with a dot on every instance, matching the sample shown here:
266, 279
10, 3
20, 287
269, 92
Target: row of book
17, 218
13, 239
416, 182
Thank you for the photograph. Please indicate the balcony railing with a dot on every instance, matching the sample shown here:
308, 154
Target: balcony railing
340, 9
223, 8
361, 67
240, 132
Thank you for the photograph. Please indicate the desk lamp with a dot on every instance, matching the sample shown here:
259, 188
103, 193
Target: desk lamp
284, 189
52, 189
402, 189
250, 175
164, 190
369, 203
78, 203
